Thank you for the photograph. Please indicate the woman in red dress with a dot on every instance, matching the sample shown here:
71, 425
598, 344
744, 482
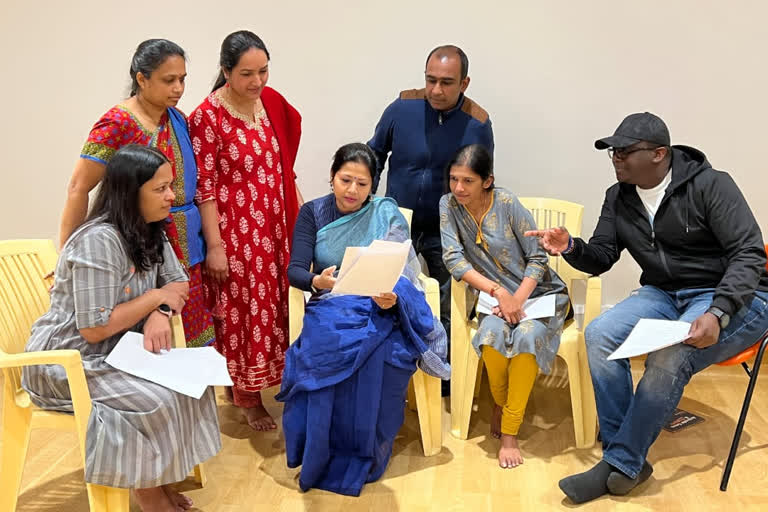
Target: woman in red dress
245, 137
150, 117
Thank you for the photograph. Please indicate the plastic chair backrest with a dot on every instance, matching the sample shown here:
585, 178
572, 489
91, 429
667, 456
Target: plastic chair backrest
408, 214
552, 213
23, 293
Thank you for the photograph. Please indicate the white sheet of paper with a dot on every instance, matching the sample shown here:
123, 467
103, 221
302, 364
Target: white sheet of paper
539, 307
650, 335
186, 370
373, 270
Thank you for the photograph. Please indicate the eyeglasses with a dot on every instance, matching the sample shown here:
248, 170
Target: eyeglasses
622, 153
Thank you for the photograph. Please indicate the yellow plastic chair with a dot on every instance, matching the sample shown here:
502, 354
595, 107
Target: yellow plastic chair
466, 370
23, 298
424, 389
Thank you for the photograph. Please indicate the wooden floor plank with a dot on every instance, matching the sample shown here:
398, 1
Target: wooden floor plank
250, 472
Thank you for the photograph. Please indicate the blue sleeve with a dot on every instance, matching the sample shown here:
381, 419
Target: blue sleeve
303, 250
381, 142
488, 135
484, 134
453, 249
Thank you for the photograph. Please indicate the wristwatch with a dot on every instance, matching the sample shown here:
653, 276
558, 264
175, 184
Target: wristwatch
722, 317
165, 309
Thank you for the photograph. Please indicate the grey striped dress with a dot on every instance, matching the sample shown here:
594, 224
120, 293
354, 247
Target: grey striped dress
140, 434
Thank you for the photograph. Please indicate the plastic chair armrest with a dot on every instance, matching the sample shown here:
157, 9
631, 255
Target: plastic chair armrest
177, 332
66, 358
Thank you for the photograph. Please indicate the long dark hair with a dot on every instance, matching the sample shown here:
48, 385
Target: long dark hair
354, 152
118, 203
476, 157
149, 55
232, 48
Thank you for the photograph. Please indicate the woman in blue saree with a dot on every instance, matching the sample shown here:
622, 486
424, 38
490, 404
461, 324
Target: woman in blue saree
347, 374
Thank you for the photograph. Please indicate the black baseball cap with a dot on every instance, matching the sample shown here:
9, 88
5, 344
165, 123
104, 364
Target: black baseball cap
637, 128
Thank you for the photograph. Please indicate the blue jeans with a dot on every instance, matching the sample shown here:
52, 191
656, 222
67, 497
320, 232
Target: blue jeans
630, 421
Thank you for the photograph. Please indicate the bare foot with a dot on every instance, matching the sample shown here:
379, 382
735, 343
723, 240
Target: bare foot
154, 499
509, 452
496, 422
258, 418
177, 498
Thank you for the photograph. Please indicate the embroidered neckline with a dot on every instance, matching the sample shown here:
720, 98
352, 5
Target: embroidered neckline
249, 123
480, 237
135, 119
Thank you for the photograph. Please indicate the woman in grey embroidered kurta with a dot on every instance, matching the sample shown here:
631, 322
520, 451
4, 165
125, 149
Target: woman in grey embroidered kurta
140, 434
483, 244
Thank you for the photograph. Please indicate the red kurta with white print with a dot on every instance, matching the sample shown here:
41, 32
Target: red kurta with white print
239, 167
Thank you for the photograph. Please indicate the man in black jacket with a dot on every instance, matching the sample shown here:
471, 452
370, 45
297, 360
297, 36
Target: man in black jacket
703, 261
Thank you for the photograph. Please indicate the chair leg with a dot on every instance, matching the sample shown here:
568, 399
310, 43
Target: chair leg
588, 404
464, 362
742, 416
15, 431
200, 476
411, 395
429, 405
479, 379
108, 499
571, 358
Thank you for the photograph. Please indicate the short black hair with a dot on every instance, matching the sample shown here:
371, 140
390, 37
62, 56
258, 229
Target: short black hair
450, 48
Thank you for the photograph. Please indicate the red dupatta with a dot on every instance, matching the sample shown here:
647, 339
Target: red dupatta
286, 122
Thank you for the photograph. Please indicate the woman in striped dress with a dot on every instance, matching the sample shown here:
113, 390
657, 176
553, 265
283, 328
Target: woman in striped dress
118, 273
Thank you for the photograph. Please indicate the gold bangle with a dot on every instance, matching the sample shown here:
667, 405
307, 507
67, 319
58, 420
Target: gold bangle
493, 290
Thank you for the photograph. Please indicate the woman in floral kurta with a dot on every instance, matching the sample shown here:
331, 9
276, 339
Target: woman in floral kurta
245, 137
482, 231
149, 118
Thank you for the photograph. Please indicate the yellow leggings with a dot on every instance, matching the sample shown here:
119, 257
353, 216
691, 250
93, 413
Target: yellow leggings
511, 382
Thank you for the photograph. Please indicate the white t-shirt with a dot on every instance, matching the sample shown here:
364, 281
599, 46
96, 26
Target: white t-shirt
651, 197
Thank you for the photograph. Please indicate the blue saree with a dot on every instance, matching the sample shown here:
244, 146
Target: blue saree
346, 376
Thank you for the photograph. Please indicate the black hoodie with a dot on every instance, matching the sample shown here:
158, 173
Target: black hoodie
703, 235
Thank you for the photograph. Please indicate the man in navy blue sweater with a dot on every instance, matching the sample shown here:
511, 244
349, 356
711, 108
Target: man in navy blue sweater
421, 131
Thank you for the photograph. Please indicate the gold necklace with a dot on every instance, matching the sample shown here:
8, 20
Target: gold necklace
142, 112
251, 115
479, 216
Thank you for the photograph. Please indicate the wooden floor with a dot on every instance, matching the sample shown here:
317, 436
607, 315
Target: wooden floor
250, 472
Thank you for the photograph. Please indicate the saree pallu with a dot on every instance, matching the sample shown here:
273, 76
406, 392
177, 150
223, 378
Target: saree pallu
346, 376
187, 225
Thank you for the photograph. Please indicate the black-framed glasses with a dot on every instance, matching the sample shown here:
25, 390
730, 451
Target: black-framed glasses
622, 153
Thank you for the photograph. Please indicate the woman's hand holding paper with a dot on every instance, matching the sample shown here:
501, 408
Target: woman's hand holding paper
386, 300
325, 280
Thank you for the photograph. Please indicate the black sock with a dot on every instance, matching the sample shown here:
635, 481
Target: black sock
589, 485
620, 484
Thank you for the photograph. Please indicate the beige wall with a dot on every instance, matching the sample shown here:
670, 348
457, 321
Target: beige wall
554, 76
